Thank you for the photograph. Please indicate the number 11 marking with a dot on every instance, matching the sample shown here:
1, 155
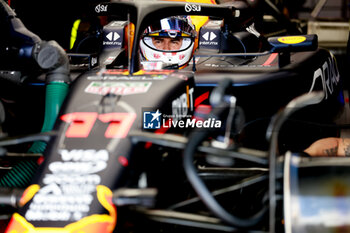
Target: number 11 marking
81, 123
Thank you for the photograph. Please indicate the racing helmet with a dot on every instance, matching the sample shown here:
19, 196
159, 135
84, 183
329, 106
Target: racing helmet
179, 33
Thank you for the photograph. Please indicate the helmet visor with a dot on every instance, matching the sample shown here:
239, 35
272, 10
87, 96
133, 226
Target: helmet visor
167, 44
171, 27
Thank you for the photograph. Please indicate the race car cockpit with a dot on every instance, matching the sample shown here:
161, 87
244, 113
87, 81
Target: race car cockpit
204, 148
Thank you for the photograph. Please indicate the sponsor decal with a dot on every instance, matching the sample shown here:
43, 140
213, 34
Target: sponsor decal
101, 8
68, 186
192, 7
118, 88
94, 61
112, 39
182, 104
209, 36
232, 66
89, 224
112, 36
109, 60
152, 65
210, 39
329, 76
127, 78
292, 39
138, 73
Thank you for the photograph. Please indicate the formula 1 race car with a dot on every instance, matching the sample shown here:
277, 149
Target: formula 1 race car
131, 145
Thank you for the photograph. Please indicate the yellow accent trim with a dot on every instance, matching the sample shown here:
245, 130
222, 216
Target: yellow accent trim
74, 33
292, 39
154, 34
140, 72
198, 21
102, 193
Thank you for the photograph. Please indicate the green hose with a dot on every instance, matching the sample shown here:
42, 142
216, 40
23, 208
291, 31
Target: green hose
55, 94
21, 174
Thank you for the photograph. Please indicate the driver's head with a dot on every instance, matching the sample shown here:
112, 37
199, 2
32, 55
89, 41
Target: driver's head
170, 40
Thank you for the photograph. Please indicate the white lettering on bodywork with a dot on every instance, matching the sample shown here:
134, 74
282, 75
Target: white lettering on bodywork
329, 76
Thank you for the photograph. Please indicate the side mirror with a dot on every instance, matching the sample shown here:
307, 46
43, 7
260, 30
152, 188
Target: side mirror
293, 43
284, 45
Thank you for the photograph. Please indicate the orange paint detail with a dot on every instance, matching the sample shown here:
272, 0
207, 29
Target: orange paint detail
29, 194
104, 196
129, 37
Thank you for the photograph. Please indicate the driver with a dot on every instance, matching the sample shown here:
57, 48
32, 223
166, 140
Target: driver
170, 41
